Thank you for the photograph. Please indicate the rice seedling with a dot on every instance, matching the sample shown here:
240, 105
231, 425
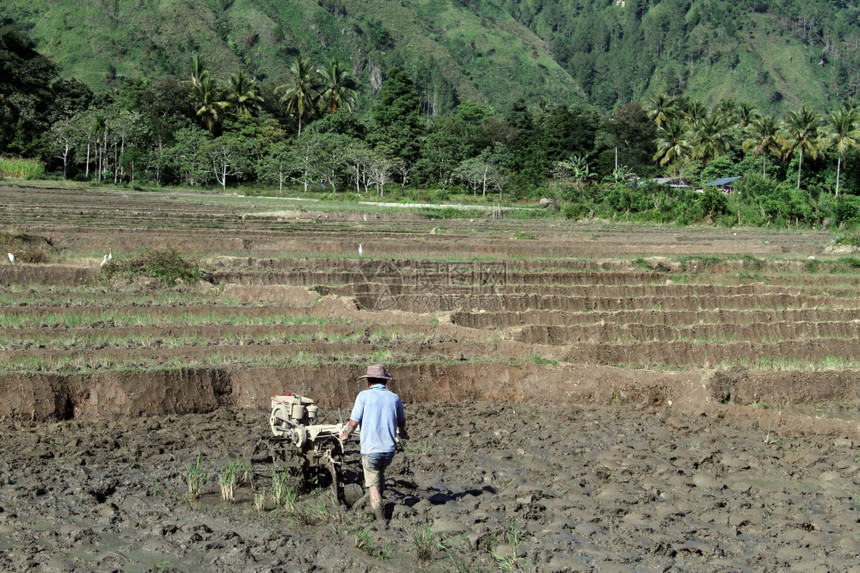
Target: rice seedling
259, 502
231, 476
195, 477
316, 512
284, 492
364, 541
457, 552
423, 541
227, 480
509, 561
424, 448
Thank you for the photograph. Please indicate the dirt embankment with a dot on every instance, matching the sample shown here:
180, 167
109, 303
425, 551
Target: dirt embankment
53, 397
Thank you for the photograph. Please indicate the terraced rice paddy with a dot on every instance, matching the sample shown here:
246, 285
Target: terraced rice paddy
750, 331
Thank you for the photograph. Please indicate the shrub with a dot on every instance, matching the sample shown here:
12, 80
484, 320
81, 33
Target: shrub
26, 248
852, 239
575, 211
168, 266
712, 203
32, 255
847, 210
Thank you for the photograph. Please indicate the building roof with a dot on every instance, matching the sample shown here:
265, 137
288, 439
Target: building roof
722, 181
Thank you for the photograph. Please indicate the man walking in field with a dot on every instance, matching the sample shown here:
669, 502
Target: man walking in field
380, 413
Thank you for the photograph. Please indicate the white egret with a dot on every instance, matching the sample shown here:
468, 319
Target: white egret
360, 250
11, 258
110, 255
104, 261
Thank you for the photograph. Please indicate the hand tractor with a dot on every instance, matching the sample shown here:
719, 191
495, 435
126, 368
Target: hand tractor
305, 450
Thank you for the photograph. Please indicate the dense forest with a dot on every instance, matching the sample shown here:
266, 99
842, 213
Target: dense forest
320, 128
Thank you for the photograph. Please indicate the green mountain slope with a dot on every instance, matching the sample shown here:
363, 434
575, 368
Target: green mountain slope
455, 53
776, 54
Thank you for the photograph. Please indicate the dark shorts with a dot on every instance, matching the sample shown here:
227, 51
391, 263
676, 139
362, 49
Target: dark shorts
374, 467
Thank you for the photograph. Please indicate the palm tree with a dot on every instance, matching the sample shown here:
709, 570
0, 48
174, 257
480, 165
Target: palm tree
800, 132
660, 107
242, 93
851, 105
764, 139
672, 143
300, 94
728, 108
745, 114
710, 137
198, 69
206, 99
689, 109
337, 87
842, 131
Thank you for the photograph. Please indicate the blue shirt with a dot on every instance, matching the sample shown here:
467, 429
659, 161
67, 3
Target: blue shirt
379, 411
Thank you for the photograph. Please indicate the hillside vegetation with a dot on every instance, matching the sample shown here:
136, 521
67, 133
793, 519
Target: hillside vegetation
458, 53
775, 54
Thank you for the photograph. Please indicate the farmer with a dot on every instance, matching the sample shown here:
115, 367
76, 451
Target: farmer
380, 413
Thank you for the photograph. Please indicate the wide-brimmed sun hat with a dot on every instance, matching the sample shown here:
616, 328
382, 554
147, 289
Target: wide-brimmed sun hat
377, 371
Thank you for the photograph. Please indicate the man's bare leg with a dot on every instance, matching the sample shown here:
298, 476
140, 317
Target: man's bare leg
376, 502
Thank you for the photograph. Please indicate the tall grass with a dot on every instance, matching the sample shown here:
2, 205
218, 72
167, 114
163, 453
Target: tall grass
18, 168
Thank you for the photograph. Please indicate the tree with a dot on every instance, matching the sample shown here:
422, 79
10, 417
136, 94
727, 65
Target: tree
660, 109
242, 94
745, 114
163, 111
728, 109
710, 137
380, 168
206, 96
227, 158
32, 97
188, 155
88, 125
331, 160
63, 136
320, 157
629, 134
300, 94
198, 69
800, 133
694, 110
358, 156
843, 133
442, 151
567, 130
483, 171
337, 89
123, 127
397, 118
763, 139
275, 166
672, 143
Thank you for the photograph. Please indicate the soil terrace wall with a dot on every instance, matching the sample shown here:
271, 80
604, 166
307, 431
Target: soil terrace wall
52, 397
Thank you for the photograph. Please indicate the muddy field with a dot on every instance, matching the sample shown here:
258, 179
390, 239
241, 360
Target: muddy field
582, 396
